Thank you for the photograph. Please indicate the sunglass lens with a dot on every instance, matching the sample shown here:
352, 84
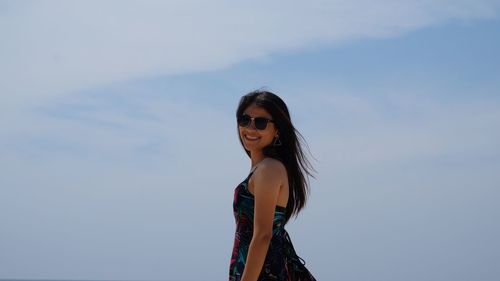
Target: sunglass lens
260, 123
244, 121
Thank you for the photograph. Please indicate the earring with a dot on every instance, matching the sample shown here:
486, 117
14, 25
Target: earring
277, 141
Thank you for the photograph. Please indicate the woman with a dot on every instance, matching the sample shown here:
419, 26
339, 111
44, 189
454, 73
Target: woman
274, 190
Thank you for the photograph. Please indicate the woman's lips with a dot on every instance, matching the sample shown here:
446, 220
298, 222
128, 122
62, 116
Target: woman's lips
250, 138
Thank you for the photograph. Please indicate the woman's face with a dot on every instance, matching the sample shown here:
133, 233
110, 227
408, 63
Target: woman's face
254, 139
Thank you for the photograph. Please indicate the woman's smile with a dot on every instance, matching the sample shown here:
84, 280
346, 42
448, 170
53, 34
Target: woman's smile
250, 138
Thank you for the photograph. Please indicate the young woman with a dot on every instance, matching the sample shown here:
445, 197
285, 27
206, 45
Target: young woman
275, 189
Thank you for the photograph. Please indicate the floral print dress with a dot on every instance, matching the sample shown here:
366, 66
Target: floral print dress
281, 262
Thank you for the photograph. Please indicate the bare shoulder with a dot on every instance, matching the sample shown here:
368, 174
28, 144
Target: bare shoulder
271, 169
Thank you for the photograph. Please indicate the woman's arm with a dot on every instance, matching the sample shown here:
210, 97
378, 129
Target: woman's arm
267, 182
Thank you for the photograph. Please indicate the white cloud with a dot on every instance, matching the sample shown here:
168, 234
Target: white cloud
57, 47
357, 132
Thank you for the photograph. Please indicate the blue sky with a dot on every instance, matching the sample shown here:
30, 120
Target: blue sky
120, 155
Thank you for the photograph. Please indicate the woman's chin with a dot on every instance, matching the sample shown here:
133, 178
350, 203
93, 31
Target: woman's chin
252, 146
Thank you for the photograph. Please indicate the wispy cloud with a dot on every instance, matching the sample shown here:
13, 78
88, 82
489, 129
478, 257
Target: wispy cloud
365, 132
54, 47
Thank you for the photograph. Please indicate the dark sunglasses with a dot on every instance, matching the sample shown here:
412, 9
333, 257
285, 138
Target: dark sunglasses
260, 123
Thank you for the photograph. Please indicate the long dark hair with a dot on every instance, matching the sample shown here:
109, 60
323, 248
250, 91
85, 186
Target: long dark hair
290, 152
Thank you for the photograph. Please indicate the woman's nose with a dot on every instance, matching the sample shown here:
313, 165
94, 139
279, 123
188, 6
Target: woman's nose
252, 125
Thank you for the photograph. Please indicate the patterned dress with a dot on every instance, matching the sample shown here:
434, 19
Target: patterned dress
281, 263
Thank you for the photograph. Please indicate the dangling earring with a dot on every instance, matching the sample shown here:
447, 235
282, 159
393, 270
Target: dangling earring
277, 141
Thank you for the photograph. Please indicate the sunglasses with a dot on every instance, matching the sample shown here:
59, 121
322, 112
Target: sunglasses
260, 123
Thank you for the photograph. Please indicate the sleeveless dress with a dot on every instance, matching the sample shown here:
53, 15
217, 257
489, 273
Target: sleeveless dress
281, 262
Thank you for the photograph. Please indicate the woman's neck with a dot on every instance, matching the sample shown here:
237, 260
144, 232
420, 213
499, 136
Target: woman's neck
256, 157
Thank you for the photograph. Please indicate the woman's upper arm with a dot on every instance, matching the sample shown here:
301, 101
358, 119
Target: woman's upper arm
267, 182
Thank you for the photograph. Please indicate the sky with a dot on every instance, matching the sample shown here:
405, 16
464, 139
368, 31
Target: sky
119, 153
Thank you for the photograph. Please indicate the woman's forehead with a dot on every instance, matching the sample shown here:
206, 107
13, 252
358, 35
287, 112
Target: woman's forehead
256, 111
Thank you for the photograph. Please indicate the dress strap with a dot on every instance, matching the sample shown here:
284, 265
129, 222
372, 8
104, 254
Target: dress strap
251, 172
